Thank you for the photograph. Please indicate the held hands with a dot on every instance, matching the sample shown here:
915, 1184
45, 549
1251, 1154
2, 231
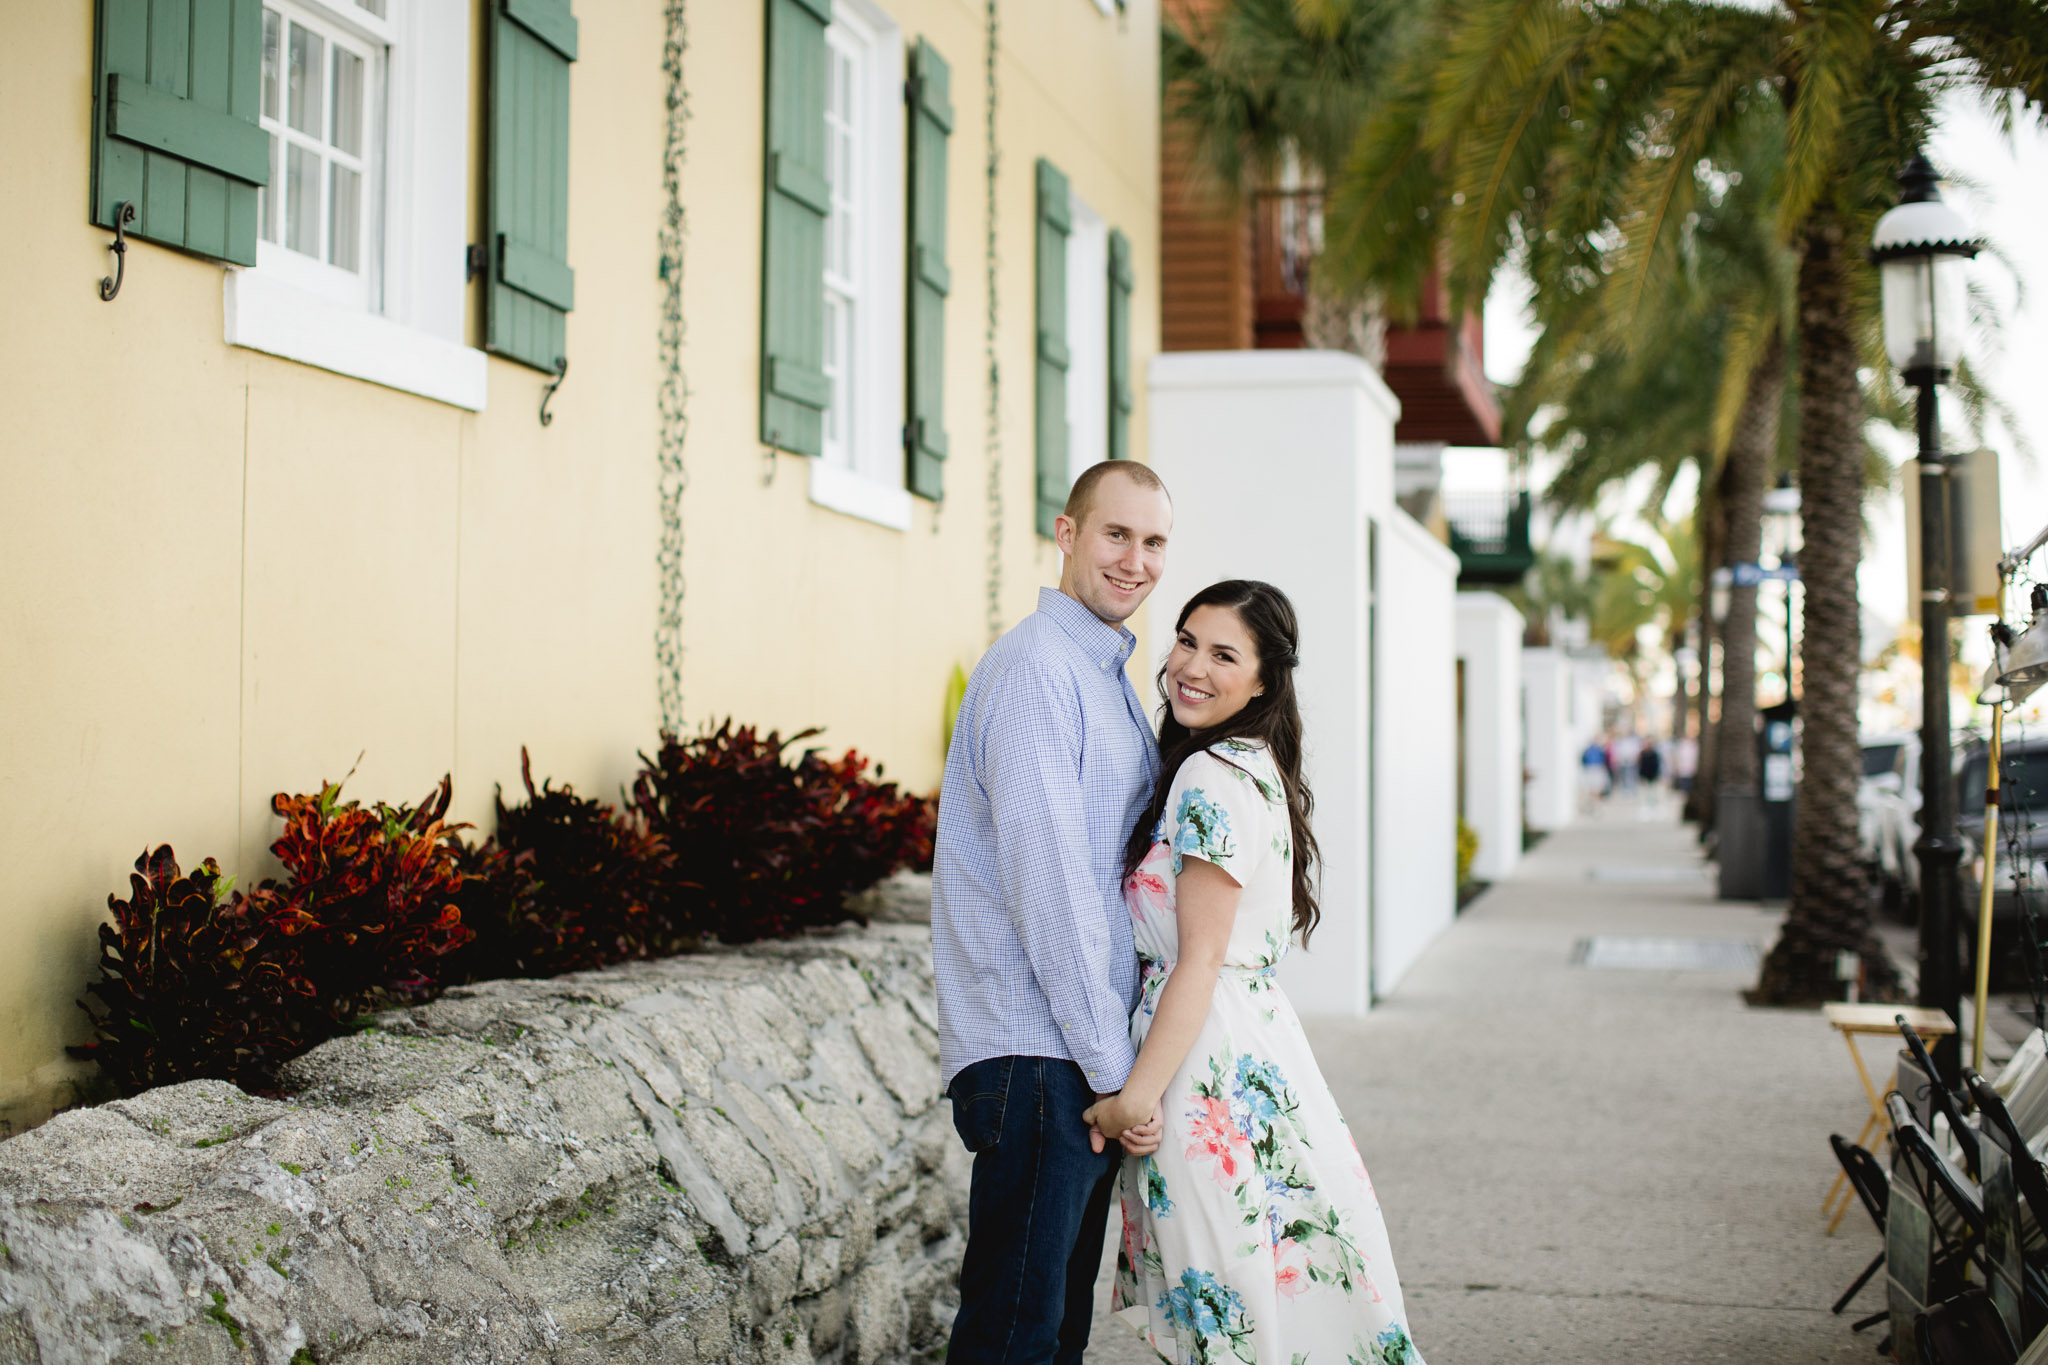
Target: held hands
1117, 1117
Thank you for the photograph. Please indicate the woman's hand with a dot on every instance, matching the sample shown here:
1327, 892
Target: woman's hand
1144, 1138
1112, 1115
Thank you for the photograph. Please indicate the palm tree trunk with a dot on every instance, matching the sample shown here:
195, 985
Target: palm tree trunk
1332, 321
1830, 912
1748, 469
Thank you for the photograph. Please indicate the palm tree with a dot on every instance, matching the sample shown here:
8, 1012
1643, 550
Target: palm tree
1273, 89
1703, 387
1579, 134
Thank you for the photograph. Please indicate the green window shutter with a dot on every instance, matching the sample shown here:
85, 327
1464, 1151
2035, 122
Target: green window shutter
1055, 221
931, 122
174, 114
1121, 400
794, 390
529, 286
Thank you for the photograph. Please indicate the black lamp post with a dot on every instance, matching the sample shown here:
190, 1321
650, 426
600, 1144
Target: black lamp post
1921, 248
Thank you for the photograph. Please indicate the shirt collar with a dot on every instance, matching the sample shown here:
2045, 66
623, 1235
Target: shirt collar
1109, 644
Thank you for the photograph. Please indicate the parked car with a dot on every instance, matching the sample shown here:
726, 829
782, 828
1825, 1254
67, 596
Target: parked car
1895, 819
1881, 780
2022, 841
1889, 802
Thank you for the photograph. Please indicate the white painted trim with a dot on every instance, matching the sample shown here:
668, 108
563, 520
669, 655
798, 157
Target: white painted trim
857, 495
266, 314
416, 342
1269, 370
876, 434
1087, 337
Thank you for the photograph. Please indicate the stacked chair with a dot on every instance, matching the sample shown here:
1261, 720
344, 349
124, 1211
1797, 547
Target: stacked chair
1961, 1212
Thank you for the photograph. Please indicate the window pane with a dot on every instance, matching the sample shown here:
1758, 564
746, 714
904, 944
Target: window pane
302, 200
272, 22
266, 199
304, 78
375, 7
345, 217
348, 103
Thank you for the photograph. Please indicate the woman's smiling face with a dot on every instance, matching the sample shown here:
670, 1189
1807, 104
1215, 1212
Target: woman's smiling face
1213, 671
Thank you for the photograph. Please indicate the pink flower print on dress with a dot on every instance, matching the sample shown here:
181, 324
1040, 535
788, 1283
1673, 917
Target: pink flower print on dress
1216, 1138
1146, 892
1290, 1268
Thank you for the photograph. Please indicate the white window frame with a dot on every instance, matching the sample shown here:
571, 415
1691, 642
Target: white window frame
411, 337
370, 38
1087, 337
865, 479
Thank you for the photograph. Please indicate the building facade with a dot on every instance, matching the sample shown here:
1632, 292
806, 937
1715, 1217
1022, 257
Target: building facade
488, 373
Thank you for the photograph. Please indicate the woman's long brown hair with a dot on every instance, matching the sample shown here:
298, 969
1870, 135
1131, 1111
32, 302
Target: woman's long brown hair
1274, 717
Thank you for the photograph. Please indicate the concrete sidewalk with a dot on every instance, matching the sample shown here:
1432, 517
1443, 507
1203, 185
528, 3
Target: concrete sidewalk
1595, 1164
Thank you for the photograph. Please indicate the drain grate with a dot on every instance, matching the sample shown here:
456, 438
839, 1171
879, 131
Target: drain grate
1665, 954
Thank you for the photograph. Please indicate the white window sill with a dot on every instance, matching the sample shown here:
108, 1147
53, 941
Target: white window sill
267, 314
857, 495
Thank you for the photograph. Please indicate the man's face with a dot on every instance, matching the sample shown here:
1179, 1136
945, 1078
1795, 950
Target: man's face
1115, 557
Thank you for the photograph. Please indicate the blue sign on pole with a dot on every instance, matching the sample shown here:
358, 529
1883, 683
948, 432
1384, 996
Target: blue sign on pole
1748, 575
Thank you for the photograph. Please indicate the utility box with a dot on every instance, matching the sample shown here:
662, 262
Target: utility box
1974, 534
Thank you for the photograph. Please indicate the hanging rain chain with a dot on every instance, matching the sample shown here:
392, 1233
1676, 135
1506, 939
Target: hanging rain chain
988, 339
674, 393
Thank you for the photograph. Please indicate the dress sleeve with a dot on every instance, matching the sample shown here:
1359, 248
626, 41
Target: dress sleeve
1217, 811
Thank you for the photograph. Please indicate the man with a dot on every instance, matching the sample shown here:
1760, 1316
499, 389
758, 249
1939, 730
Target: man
1051, 764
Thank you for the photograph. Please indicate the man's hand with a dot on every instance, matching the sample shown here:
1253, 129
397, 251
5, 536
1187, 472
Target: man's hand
1112, 1116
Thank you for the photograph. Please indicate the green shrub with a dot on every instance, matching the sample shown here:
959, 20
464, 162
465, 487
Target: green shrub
764, 846
566, 883
1468, 849
195, 980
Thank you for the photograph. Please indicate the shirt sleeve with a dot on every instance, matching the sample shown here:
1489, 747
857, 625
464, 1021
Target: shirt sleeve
1031, 772
1217, 811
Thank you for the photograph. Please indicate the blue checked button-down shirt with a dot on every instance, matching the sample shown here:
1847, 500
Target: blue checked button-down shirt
1051, 764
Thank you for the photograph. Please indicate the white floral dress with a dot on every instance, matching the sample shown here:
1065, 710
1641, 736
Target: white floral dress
1253, 1234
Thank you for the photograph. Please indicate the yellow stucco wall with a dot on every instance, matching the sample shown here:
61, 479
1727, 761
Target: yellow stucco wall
229, 574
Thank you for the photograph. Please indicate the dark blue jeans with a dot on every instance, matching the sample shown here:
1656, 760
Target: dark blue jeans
1035, 1214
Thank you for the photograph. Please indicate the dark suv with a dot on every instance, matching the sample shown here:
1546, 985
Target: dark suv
2022, 838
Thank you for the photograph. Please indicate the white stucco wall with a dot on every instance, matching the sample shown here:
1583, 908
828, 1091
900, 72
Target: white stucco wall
1490, 647
1553, 748
1280, 464
1416, 808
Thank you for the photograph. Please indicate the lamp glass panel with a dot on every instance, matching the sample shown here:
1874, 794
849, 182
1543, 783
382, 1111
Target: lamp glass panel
1908, 318
1951, 308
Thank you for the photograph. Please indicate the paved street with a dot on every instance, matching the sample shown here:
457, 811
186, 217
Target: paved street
1594, 1164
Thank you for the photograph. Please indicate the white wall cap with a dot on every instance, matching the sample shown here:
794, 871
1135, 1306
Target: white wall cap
1270, 370
1487, 604
1425, 544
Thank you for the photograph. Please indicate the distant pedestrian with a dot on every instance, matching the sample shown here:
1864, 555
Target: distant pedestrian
1650, 769
1650, 764
1628, 749
1685, 762
1594, 778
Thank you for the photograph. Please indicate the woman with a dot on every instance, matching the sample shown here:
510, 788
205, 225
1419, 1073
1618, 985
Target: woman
1253, 1233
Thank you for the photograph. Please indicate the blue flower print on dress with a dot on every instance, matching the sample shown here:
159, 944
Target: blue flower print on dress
1211, 1314
1203, 829
1391, 1347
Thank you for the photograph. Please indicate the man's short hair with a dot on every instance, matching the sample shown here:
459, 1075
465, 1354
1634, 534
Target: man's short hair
1082, 499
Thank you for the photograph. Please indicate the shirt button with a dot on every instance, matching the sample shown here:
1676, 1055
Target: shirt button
1105, 665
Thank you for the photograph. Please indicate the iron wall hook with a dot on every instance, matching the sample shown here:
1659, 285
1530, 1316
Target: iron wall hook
547, 394
110, 285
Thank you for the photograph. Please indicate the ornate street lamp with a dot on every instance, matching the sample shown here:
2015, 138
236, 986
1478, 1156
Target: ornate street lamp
1921, 249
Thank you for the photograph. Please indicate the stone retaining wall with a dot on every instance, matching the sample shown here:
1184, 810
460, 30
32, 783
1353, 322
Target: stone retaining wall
740, 1156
